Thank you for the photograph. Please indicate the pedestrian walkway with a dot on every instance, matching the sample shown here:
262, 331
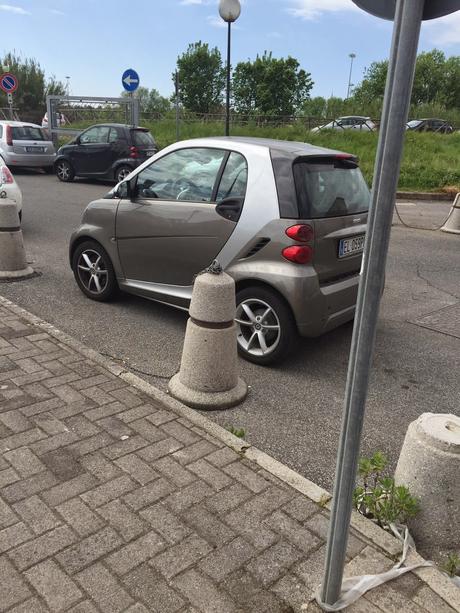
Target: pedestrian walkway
111, 501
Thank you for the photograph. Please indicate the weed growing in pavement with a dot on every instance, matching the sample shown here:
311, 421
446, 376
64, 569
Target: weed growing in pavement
239, 432
452, 565
379, 498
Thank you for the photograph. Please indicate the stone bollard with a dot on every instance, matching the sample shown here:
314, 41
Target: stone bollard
452, 225
13, 263
208, 376
429, 465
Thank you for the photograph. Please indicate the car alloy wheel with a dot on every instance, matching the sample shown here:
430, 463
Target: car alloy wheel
259, 328
92, 271
64, 171
122, 173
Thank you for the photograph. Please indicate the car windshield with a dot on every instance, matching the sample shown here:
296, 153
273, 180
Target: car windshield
142, 138
414, 123
330, 188
26, 133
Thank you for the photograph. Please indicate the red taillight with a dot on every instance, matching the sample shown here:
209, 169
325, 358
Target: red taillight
9, 136
301, 232
298, 254
134, 153
345, 156
5, 175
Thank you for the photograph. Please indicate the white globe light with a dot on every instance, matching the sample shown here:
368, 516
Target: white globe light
229, 10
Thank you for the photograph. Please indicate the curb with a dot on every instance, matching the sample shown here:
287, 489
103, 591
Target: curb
388, 544
439, 196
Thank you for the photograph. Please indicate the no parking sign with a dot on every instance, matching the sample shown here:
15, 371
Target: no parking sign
8, 83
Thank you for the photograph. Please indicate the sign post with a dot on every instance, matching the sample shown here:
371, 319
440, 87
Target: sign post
9, 84
130, 80
407, 22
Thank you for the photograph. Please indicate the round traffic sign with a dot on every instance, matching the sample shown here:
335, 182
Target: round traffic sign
130, 80
8, 83
386, 8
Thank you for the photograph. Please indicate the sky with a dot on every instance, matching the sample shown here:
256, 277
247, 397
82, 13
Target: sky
94, 41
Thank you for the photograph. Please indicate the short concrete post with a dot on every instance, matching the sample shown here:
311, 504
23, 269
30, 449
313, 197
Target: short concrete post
208, 376
429, 465
13, 263
452, 225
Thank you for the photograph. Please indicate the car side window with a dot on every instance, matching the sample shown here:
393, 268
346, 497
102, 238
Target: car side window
98, 134
116, 135
187, 174
234, 178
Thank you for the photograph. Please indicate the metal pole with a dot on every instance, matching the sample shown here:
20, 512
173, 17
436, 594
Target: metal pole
177, 106
227, 108
352, 57
401, 70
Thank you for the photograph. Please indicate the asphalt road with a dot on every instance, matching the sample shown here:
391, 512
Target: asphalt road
293, 412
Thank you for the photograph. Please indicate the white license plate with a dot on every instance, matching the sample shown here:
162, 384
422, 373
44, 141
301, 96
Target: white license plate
351, 246
149, 153
35, 149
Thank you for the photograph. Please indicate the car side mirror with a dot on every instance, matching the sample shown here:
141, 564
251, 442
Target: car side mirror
123, 190
230, 208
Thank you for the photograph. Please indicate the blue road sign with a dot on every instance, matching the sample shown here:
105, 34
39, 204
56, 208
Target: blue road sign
8, 83
130, 80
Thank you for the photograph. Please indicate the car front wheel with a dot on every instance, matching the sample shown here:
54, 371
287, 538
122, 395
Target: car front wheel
65, 171
265, 326
122, 172
94, 272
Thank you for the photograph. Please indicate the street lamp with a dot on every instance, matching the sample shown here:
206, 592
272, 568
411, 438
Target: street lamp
67, 86
229, 10
352, 57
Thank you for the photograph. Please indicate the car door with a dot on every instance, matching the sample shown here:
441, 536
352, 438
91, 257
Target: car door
92, 154
171, 229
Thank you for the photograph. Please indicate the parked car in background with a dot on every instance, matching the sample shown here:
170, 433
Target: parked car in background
26, 145
105, 151
286, 220
351, 122
9, 188
430, 125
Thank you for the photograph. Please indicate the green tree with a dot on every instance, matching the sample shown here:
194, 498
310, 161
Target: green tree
314, 107
150, 100
33, 86
201, 78
270, 86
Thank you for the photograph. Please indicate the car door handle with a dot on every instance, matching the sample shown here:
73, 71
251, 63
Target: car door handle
230, 208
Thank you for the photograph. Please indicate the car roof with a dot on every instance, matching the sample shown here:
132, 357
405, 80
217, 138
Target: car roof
431, 119
116, 125
353, 117
19, 124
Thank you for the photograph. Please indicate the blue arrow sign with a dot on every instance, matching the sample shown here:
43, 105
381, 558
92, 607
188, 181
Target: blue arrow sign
130, 80
8, 83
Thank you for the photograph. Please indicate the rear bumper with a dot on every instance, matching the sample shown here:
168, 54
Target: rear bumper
29, 160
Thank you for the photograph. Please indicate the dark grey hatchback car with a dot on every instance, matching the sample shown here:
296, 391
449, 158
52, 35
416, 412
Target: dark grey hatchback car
286, 220
106, 151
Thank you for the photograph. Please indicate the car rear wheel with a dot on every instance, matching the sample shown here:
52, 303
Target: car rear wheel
65, 171
122, 172
94, 272
265, 326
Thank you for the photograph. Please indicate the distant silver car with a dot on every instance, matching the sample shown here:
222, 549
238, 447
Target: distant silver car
286, 220
26, 144
351, 122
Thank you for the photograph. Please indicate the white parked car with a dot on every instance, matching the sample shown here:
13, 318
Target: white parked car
9, 188
351, 122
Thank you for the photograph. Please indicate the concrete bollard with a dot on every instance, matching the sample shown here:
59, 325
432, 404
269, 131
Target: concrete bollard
13, 263
208, 376
452, 225
429, 465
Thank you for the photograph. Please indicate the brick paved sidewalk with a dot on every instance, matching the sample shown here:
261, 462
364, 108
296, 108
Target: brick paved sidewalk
110, 502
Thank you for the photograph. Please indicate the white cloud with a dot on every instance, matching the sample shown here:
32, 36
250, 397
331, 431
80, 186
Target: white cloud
443, 31
312, 9
196, 2
56, 12
13, 9
215, 21
274, 35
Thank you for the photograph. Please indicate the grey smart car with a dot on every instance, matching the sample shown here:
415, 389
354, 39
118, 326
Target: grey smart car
286, 220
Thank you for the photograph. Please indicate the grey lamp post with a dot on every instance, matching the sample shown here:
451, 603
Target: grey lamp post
229, 10
352, 57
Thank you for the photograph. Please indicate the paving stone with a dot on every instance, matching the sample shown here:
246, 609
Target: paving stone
137, 413
37, 515
173, 471
47, 422
67, 393
104, 411
368, 562
425, 597
115, 427
121, 448
28, 487
84, 607
128, 396
13, 536
57, 589
227, 559
8, 476
271, 564
33, 605
246, 476
293, 592
148, 494
193, 452
108, 491
208, 526
228, 499
80, 517
311, 569
135, 553
89, 550
222, 457
251, 528
187, 496
203, 593
24, 461
157, 450
100, 467
73, 409
301, 508
63, 464
168, 525
104, 589
390, 600
147, 430
15, 421
123, 520
12, 587
180, 556
147, 585
92, 444
60, 493
160, 416
53, 442
81, 426
137, 608
97, 394
241, 586
180, 433
266, 502
293, 531
90, 381
210, 474
139, 470
46, 545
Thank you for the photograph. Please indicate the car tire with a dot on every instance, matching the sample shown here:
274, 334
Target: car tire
65, 171
90, 261
264, 309
122, 172
49, 170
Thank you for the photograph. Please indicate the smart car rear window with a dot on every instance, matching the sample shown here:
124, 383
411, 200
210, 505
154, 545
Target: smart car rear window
142, 138
330, 187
